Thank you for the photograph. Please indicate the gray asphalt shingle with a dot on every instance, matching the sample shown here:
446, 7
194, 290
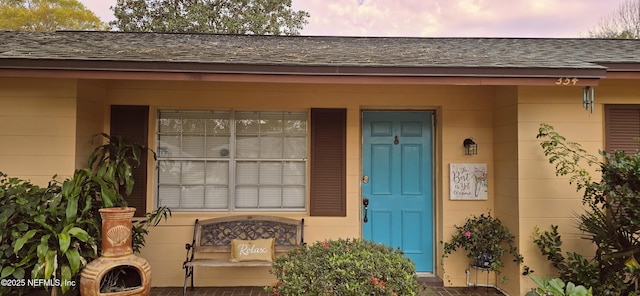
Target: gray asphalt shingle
307, 51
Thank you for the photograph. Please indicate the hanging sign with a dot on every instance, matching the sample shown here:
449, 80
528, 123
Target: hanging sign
468, 181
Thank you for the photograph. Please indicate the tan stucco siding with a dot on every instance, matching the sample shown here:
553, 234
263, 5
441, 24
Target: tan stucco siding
91, 118
37, 128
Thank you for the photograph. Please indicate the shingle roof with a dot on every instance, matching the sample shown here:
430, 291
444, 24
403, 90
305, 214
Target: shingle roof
312, 54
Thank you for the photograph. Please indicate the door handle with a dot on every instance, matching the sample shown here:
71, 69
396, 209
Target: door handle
365, 203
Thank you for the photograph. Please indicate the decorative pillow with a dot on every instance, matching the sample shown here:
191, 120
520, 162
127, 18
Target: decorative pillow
252, 250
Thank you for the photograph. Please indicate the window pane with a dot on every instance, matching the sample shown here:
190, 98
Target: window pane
247, 123
219, 124
169, 122
270, 197
295, 147
271, 147
217, 147
247, 147
247, 172
216, 197
293, 196
270, 123
169, 196
193, 172
192, 146
194, 122
247, 197
294, 173
192, 197
168, 172
217, 173
168, 145
295, 123
270, 173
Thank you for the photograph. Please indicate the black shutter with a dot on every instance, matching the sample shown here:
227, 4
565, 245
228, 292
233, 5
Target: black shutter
622, 128
132, 124
328, 162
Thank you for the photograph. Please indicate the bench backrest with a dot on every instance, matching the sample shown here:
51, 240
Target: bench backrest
215, 235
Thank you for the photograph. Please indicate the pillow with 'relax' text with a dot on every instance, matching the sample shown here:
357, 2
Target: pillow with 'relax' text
252, 250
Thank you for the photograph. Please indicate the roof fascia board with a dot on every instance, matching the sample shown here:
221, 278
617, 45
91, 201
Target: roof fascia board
621, 67
325, 70
279, 78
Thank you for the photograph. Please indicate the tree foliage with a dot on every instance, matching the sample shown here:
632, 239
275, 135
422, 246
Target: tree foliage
623, 23
262, 17
47, 15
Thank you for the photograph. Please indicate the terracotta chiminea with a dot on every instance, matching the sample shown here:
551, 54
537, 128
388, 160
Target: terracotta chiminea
117, 265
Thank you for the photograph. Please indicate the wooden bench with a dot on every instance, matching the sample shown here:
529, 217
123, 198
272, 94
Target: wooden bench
215, 235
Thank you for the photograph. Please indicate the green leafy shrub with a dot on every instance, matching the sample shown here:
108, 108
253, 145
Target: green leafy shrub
344, 267
611, 221
573, 267
557, 287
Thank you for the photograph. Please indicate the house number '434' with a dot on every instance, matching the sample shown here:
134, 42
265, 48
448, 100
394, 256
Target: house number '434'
567, 81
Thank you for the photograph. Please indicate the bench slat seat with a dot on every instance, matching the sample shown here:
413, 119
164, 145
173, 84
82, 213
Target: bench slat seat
226, 263
215, 236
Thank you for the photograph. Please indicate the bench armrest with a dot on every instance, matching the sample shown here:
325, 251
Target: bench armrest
191, 247
190, 254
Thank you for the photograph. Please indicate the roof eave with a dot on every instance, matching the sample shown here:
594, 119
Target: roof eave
283, 69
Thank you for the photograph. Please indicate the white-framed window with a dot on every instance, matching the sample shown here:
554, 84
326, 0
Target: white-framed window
231, 160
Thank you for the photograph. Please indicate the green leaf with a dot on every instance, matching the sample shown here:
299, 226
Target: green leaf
6, 213
67, 188
126, 177
88, 202
72, 208
50, 264
64, 240
66, 275
21, 241
80, 234
40, 219
18, 273
556, 286
74, 260
26, 260
102, 171
108, 195
36, 273
22, 226
6, 271
43, 247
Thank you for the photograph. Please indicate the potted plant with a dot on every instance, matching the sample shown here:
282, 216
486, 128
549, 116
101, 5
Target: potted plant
486, 240
51, 233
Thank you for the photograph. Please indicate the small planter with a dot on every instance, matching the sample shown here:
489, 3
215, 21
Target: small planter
483, 261
485, 240
117, 266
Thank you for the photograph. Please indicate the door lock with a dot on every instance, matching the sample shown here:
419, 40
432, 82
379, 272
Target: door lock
365, 203
365, 179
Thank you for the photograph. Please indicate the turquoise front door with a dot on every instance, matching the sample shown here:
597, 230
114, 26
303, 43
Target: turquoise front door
397, 182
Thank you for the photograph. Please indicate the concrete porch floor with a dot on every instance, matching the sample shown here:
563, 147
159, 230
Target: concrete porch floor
435, 285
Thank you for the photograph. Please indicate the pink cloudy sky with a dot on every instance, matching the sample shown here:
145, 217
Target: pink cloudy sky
441, 18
